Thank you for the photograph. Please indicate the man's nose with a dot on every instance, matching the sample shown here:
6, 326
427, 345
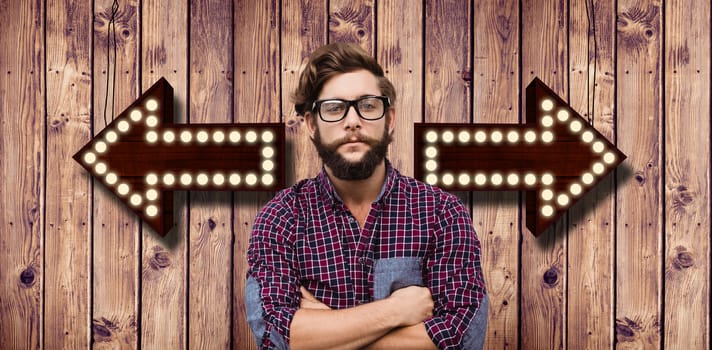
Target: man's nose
352, 120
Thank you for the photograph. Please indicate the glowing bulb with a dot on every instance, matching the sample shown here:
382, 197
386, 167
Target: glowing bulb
123, 126
547, 105
431, 152
202, 179
587, 178
587, 136
598, 147
530, 179
186, 179
547, 194
89, 158
151, 210
100, 168
480, 179
598, 168
547, 136
268, 152
464, 179
575, 189
609, 157
563, 115
234, 136
267, 165
111, 178
123, 189
151, 105
480, 136
267, 179
496, 179
136, 115
431, 179
431, 136
136, 200
250, 179
151, 121
186, 136
463, 136
448, 136
530, 136
547, 121
547, 210
151, 136
169, 179
234, 179
431, 165
547, 179
575, 126
512, 136
202, 136
218, 136
100, 147
169, 136
448, 179
219, 179
513, 179
562, 200
496, 136
267, 136
151, 179
111, 137
251, 137
151, 195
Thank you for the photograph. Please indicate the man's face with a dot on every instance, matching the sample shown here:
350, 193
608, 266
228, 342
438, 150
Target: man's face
353, 147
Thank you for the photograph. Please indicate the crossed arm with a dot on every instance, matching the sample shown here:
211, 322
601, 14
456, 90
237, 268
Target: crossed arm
393, 322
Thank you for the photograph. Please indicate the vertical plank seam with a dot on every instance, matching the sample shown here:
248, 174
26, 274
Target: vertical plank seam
139, 238
614, 269
231, 291
44, 180
423, 68
519, 203
661, 166
186, 315
90, 196
567, 216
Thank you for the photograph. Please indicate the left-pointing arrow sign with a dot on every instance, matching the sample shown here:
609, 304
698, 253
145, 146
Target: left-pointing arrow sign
143, 156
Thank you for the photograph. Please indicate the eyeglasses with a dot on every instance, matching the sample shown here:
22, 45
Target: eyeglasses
368, 107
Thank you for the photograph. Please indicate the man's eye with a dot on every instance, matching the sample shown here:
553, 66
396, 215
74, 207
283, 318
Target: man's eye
333, 107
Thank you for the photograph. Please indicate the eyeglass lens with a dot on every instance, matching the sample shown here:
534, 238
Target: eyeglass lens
367, 107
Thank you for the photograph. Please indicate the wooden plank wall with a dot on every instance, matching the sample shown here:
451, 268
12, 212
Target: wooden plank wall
628, 267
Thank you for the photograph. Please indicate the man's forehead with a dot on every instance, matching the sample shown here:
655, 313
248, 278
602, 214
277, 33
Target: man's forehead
350, 85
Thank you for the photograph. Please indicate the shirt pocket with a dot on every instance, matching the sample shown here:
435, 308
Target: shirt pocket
392, 274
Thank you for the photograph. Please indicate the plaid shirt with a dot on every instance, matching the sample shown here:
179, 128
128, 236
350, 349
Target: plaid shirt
306, 236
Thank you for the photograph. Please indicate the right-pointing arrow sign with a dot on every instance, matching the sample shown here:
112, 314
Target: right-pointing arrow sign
556, 156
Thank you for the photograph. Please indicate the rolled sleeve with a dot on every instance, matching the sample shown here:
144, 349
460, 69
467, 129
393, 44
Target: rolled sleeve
272, 275
455, 279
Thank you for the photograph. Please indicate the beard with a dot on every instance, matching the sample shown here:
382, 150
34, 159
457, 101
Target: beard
347, 170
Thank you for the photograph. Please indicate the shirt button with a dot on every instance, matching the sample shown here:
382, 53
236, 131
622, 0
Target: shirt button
360, 260
351, 220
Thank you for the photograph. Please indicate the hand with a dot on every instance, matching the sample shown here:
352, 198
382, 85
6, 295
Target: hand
415, 304
309, 301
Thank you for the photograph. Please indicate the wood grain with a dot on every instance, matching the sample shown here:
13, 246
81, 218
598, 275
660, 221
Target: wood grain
400, 46
591, 242
21, 166
352, 21
495, 99
115, 229
68, 205
543, 260
639, 207
256, 99
687, 170
210, 230
164, 306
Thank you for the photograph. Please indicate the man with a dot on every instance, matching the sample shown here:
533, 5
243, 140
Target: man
361, 257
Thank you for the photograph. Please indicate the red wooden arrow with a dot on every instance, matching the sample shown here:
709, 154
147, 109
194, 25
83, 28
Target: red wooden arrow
142, 157
556, 156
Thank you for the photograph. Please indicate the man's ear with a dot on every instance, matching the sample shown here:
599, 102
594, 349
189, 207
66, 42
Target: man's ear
391, 120
311, 124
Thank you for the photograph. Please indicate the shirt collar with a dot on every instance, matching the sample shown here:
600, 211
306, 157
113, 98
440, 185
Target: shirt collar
329, 192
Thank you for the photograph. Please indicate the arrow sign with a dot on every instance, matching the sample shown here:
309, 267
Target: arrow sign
142, 157
556, 156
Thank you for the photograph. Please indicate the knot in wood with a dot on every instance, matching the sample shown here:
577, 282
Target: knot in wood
211, 224
683, 260
160, 260
551, 276
27, 277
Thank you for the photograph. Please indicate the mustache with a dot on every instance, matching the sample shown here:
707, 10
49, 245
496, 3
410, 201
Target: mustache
351, 138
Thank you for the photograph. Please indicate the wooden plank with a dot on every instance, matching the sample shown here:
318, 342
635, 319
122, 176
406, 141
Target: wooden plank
591, 236
256, 99
115, 230
495, 99
400, 51
639, 207
303, 31
68, 207
543, 260
164, 31
210, 231
352, 21
687, 170
21, 167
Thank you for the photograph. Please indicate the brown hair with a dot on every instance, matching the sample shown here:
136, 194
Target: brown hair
330, 60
